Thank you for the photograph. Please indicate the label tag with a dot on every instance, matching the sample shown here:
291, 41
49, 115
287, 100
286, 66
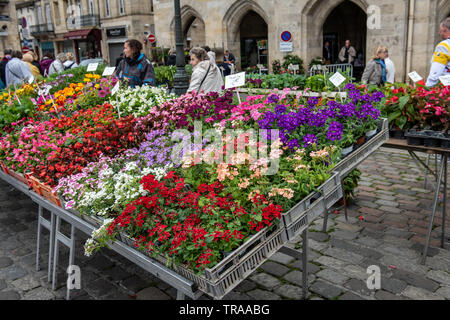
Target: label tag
92, 67
445, 80
235, 80
337, 79
108, 71
414, 76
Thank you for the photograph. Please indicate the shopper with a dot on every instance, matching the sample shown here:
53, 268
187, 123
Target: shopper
211, 54
36, 63
440, 63
46, 62
375, 72
135, 67
28, 59
347, 53
206, 76
120, 58
17, 71
7, 57
390, 69
70, 62
172, 58
58, 65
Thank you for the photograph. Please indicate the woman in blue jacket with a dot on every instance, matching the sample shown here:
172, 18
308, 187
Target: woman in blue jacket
135, 67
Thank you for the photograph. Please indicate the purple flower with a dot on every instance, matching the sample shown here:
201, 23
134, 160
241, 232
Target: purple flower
279, 109
102, 93
335, 131
309, 139
293, 144
273, 98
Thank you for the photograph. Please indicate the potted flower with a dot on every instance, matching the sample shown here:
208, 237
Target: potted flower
371, 128
348, 140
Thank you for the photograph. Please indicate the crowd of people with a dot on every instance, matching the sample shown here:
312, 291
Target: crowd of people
17, 67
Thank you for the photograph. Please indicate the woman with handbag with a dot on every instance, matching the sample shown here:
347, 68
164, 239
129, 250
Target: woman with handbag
206, 76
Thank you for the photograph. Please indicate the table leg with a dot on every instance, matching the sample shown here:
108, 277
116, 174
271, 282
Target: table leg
444, 213
38, 238
426, 171
305, 263
71, 255
433, 210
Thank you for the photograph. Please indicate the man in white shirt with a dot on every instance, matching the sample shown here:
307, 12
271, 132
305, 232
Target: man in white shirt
390, 69
440, 63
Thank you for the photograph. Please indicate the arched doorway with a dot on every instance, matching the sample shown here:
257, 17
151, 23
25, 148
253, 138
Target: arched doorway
194, 32
253, 38
347, 21
192, 27
233, 25
314, 16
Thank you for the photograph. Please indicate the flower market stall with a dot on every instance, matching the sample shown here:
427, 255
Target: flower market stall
249, 177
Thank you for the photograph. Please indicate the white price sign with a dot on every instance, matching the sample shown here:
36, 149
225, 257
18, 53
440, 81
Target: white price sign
286, 47
45, 90
115, 89
294, 67
415, 77
235, 80
445, 80
92, 67
31, 80
337, 79
108, 71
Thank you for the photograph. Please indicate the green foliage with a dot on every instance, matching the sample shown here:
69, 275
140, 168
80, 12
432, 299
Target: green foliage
164, 74
272, 81
16, 111
351, 182
294, 60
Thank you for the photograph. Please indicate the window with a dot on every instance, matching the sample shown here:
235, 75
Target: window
121, 7
107, 8
57, 15
151, 5
91, 7
39, 15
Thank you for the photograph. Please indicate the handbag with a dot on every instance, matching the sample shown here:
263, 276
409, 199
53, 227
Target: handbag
204, 78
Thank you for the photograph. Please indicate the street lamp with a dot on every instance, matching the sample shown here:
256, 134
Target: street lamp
181, 78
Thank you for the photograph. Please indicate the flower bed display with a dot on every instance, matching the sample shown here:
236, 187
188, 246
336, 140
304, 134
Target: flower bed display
215, 215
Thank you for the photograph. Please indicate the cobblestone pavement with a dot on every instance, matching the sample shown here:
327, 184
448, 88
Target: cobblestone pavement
390, 200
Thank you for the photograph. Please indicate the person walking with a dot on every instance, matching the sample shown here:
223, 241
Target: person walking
206, 76
17, 71
7, 57
390, 68
375, 72
135, 67
70, 63
58, 65
28, 59
46, 62
347, 53
440, 63
172, 58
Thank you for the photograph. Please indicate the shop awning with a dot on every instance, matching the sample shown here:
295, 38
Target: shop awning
77, 34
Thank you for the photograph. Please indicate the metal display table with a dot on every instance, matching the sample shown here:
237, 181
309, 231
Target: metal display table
184, 287
443, 170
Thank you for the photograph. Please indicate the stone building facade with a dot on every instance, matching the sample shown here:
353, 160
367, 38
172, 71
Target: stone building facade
409, 28
87, 28
8, 26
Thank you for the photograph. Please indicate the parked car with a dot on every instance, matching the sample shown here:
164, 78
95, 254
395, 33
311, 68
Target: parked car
86, 62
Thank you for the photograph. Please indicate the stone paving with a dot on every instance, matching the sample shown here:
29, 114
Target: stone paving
386, 227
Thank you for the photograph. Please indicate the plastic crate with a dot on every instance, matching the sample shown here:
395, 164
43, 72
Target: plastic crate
20, 177
345, 166
44, 190
326, 191
234, 268
4, 168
